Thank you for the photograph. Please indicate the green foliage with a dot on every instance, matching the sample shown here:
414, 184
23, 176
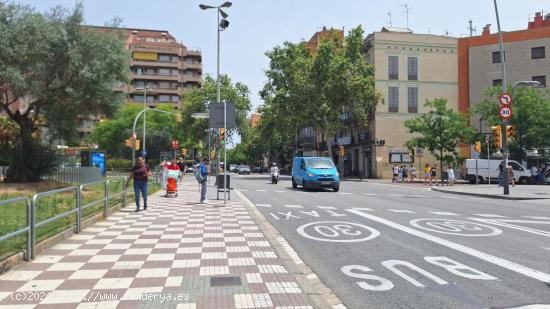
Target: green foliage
312, 88
119, 164
530, 114
440, 130
61, 70
111, 134
197, 100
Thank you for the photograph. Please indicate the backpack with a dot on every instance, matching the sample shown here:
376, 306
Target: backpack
198, 174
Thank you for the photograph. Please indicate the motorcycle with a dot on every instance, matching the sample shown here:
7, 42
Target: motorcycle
275, 177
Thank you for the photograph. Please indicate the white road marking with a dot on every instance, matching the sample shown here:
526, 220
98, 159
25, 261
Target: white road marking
326, 207
263, 205
344, 193
453, 197
363, 208
515, 267
274, 216
369, 194
396, 195
506, 223
261, 190
545, 248
293, 206
280, 191
243, 190
489, 216
402, 210
537, 218
421, 196
443, 213
478, 198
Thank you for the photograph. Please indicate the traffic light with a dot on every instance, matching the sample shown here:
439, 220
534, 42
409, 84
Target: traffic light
477, 147
212, 155
497, 136
222, 135
510, 132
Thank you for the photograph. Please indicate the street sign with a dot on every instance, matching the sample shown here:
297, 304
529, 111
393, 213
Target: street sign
505, 112
419, 152
175, 145
475, 155
216, 115
505, 99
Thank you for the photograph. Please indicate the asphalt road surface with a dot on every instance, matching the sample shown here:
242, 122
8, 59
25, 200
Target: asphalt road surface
380, 245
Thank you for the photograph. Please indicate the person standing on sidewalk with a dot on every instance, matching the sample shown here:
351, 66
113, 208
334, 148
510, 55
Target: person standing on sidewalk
450, 175
510, 172
140, 174
203, 172
395, 172
412, 173
433, 175
427, 174
501, 174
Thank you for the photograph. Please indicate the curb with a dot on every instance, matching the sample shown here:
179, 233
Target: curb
317, 292
493, 196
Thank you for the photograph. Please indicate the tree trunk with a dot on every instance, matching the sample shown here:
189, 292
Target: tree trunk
19, 169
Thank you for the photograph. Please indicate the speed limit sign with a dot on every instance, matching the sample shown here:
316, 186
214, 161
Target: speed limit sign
505, 112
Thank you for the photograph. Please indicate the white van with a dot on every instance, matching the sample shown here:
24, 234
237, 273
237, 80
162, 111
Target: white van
489, 168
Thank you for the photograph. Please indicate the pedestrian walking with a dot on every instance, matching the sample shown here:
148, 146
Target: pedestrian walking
400, 174
405, 173
451, 176
511, 175
140, 174
395, 172
433, 175
501, 174
202, 176
427, 174
412, 173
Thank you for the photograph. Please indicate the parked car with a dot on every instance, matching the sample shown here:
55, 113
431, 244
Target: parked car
233, 167
244, 169
489, 169
258, 169
315, 172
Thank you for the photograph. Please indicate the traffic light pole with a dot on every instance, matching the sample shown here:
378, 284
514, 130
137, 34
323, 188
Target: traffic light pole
504, 122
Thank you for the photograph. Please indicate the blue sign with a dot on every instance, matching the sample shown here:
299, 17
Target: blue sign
98, 160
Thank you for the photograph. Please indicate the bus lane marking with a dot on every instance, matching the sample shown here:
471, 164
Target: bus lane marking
513, 266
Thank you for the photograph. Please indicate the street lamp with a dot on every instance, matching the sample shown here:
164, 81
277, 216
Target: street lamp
144, 89
222, 25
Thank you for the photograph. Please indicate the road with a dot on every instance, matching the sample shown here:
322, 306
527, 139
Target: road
381, 245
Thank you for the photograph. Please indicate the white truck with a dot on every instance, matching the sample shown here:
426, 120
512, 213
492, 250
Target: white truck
489, 169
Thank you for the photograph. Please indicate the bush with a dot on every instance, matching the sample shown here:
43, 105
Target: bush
119, 164
30, 161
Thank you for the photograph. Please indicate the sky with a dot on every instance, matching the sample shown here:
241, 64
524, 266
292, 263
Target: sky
256, 26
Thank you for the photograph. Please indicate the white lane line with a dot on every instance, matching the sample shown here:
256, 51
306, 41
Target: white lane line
369, 194
261, 190
293, 206
243, 190
402, 210
489, 216
478, 198
326, 207
515, 267
443, 213
362, 208
280, 191
453, 197
274, 216
421, 196
545, 248
507, 223
344, 193
537, 218
396, 195
263, 205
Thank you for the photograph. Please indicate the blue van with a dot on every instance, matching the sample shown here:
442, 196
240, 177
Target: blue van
315, 172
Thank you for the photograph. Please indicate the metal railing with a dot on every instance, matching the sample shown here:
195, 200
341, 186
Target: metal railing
31, 204
75, 175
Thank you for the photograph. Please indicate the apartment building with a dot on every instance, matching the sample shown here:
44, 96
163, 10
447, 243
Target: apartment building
479, 64
410, 69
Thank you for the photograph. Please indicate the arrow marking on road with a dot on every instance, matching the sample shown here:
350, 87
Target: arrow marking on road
515, 267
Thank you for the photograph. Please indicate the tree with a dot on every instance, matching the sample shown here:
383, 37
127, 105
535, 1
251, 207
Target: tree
531, 111
52, 70
197, 100
161, 129
313, 88
439, 130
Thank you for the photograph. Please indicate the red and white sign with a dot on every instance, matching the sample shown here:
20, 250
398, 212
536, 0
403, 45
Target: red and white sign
505, 112
505, 99
175, 144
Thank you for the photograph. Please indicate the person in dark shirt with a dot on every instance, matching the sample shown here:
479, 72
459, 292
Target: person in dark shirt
140, 174
181, 165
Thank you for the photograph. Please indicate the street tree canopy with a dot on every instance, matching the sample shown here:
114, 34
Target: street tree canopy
52, 70
531, 111
440, 130
314, 87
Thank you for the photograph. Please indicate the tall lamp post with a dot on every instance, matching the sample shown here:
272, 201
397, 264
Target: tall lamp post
144, 89
222, 25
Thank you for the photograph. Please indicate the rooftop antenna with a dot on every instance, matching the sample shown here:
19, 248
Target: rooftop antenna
406, 12
471, 28
389, 15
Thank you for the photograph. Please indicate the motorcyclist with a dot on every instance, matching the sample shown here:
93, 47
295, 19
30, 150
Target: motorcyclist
274, 169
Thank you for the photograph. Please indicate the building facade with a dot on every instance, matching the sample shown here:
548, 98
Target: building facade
479, 64
410, 69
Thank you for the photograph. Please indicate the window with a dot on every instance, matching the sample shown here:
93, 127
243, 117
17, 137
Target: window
412, 68
165, 58
393, 67
164, 85
175, 99
164, 71
541, 79
538, 53
139, 84
497, 82
164, 98
393, 99
139, 71
412, 99
496, 57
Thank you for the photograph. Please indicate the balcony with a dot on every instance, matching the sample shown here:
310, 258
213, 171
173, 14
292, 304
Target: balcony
157, 64
190, 52
192, 78
156, 76
192, 65
155, 90
157, 49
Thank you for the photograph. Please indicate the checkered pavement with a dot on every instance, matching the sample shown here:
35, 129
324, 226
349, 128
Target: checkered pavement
164, 257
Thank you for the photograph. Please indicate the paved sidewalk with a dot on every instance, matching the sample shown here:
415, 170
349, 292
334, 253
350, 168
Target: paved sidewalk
177, 254
519, 192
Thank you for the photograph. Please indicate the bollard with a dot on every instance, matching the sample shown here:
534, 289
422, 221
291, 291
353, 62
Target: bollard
79, 208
